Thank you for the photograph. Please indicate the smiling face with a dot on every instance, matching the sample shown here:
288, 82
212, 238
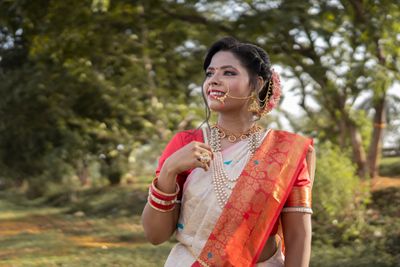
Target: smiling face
224, 73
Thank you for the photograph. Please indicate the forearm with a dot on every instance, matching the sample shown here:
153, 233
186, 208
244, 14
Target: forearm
159, 226
297, 234
298, 250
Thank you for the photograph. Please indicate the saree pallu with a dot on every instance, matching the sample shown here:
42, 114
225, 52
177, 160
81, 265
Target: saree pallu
235, 236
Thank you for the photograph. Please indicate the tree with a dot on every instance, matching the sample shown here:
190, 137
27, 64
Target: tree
82, 77
336, 53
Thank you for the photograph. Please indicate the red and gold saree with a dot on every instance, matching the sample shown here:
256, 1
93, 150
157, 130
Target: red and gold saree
274, 178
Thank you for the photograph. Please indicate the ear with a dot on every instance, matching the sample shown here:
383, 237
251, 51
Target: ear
260, 84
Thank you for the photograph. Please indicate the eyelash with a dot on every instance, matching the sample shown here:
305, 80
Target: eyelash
231, 73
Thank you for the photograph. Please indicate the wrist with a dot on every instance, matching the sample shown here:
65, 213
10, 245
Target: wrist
167, 179
169, 169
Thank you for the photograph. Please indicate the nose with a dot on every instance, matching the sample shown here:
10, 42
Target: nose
214, 80
214, 83
211, 84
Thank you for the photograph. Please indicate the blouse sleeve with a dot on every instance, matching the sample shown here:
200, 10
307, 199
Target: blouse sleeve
299, 199
175, 144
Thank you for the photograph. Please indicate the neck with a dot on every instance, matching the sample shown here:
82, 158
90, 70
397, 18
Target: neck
236, 123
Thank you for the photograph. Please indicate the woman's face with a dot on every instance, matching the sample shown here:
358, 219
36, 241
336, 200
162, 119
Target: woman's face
225, 71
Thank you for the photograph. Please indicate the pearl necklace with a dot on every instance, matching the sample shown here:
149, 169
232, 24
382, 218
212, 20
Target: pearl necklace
223, 184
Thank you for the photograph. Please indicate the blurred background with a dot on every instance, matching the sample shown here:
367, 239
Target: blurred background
91, 91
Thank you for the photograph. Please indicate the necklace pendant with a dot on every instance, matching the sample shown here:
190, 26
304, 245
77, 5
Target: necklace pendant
243, 137
232, 138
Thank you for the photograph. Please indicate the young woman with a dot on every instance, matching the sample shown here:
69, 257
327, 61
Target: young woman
229, 191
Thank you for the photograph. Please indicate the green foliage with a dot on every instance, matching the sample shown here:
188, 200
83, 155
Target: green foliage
88, 76
338, 52
80, 78
360, 255
390, 167
339, 198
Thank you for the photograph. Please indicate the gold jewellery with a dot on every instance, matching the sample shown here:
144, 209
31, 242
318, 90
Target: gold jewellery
232, 137
204, 158
226, 95
223, 184
257, 106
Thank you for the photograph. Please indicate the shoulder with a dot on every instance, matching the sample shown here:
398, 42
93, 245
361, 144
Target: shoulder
287, 133
188, 136
290, 135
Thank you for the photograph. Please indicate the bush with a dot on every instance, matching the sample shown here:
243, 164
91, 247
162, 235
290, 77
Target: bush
339, 198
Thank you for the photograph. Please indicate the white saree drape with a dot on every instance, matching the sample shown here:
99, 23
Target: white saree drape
200, 210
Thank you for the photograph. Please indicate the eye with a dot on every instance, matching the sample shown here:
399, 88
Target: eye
229, 73
209, 74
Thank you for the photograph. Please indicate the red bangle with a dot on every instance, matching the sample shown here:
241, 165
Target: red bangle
159, 207
160, 201
161, 195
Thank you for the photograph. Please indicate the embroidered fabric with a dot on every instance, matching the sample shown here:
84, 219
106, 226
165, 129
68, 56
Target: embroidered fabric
200, 210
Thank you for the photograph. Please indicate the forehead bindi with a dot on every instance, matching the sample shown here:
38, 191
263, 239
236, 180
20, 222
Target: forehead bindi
224, 60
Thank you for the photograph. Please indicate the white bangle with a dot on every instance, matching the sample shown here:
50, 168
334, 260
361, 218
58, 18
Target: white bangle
298, 209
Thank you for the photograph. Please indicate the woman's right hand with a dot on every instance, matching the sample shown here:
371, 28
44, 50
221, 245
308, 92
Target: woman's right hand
188, 157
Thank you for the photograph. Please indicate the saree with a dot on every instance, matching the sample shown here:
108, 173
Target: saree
235, 235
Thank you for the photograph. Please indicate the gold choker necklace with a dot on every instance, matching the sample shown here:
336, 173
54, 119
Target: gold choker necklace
232, 137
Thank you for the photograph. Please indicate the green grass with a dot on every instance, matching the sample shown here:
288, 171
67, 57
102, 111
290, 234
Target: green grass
109, 234
101, 227
361, 255
390, 167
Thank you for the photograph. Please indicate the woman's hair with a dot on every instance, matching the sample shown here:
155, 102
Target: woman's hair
252, 57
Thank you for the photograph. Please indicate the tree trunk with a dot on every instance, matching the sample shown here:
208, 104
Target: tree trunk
358, 151
377, 132
342, 133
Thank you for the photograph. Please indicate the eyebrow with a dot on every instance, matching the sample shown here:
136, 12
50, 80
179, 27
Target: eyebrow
222, 67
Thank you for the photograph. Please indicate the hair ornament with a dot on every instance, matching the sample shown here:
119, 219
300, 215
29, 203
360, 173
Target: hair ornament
274, 85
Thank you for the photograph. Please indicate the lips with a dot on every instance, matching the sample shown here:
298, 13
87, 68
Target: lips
215, 93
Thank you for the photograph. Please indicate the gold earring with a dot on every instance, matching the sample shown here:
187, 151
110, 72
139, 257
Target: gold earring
254, 107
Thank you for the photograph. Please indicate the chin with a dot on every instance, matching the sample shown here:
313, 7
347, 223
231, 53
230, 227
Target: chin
215, 105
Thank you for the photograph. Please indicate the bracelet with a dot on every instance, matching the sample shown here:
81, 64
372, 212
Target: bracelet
297, 209
160, 207
161, 195
161, 201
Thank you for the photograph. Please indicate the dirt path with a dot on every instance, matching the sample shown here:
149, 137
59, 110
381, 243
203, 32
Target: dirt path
382, 182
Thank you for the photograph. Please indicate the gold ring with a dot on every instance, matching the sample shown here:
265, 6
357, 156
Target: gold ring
204, 157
